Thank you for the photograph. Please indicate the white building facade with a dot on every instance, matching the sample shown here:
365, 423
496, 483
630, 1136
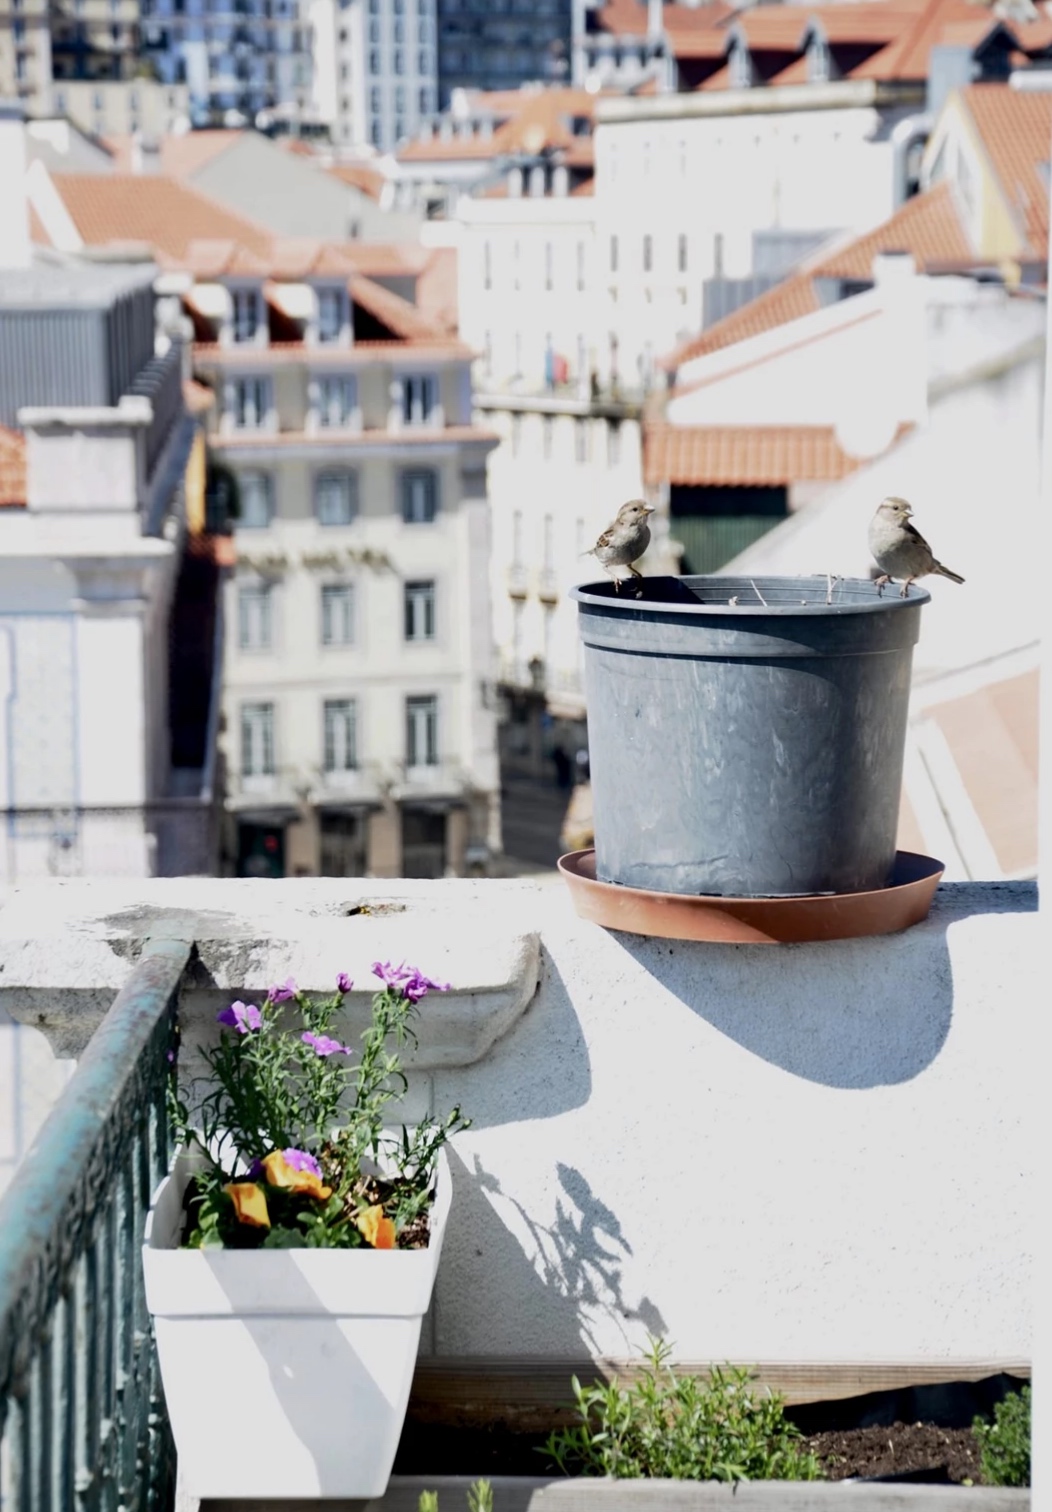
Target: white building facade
360, 732
375, 69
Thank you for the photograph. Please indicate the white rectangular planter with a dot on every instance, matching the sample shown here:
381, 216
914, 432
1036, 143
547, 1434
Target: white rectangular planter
286, 1372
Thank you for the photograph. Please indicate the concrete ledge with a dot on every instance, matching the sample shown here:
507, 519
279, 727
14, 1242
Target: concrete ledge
67, 948
526, 1494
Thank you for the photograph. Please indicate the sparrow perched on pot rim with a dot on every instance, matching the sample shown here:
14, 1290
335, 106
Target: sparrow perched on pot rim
623, 542
900, 551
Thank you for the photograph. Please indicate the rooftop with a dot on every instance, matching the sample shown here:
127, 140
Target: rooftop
152, 210
71, 285
742, 456
12, 468
928, 227
1015, 128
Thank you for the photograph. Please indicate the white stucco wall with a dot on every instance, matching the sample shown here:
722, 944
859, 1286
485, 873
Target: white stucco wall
802, 1153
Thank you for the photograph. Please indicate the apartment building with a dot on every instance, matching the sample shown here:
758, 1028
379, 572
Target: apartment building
570, 436
359, 728
106, 752
375, 64
502, 47
25, 53
238, 58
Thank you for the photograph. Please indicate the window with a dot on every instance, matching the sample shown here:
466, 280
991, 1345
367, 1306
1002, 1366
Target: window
818, 71
648, 254
255, 620
419, 496
487, 265
580, 447
549, 265
374, 63
341, 735
336, 498
376, 103
337, 614
254, 501
420, 611
399, 97
337, 402
681, 253
613, 254
425, 94
251, 403
547, 435
418, 398
245, 314
399, 61
613, 443
331, 307
421, 733
580, 265
257, 740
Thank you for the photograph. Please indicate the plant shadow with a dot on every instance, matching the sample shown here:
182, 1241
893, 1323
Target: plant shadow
559, 1272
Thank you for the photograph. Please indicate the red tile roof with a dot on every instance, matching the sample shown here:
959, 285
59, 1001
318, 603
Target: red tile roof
524, 121
12, 468
154, 210
927, 226
180, 155
360, 176
436, 290
789, 300
403, 320
993, 737
742, 456
1015, 126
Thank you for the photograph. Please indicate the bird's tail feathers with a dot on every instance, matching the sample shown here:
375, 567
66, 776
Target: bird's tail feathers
945, 572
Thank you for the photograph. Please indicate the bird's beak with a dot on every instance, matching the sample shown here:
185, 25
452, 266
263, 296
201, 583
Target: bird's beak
648, 509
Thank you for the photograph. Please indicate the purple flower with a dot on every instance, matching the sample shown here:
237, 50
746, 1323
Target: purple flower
343, 982
171, 1057
321, 1044
281, 994
418, 985
391, 976
240, 1016
410, 981
300, 1160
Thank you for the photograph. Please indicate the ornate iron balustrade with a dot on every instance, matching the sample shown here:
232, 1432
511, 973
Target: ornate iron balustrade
82, 1421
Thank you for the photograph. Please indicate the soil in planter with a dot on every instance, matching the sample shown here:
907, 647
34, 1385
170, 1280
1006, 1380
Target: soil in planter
901, 1451
921, 1434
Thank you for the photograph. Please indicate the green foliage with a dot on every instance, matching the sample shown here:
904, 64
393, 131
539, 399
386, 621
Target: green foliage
284, 1089
480, 1498
1004, 1444
681, 1428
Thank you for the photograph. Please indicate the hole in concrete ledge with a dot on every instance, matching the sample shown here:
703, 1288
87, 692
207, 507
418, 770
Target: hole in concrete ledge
372, 910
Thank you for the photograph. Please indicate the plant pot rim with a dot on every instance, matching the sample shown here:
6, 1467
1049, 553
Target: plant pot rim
754, 921
663, 596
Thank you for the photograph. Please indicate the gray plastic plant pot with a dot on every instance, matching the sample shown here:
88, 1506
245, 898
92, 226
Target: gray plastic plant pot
746, 736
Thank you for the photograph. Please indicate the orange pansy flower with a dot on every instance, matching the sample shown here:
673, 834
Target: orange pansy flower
280, 1174
250, 1203
378, 1230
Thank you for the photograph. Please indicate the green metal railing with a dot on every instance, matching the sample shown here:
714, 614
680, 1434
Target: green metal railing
82, 1422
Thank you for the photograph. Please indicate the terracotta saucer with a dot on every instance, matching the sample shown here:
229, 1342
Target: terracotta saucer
754, 921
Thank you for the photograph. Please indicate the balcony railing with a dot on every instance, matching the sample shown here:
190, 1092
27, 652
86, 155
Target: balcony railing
82, 1421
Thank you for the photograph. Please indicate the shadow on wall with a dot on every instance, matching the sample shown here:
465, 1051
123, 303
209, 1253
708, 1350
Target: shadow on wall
848, 1013
558, 1271
573, 1266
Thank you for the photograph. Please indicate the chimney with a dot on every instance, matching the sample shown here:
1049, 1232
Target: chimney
15, 248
